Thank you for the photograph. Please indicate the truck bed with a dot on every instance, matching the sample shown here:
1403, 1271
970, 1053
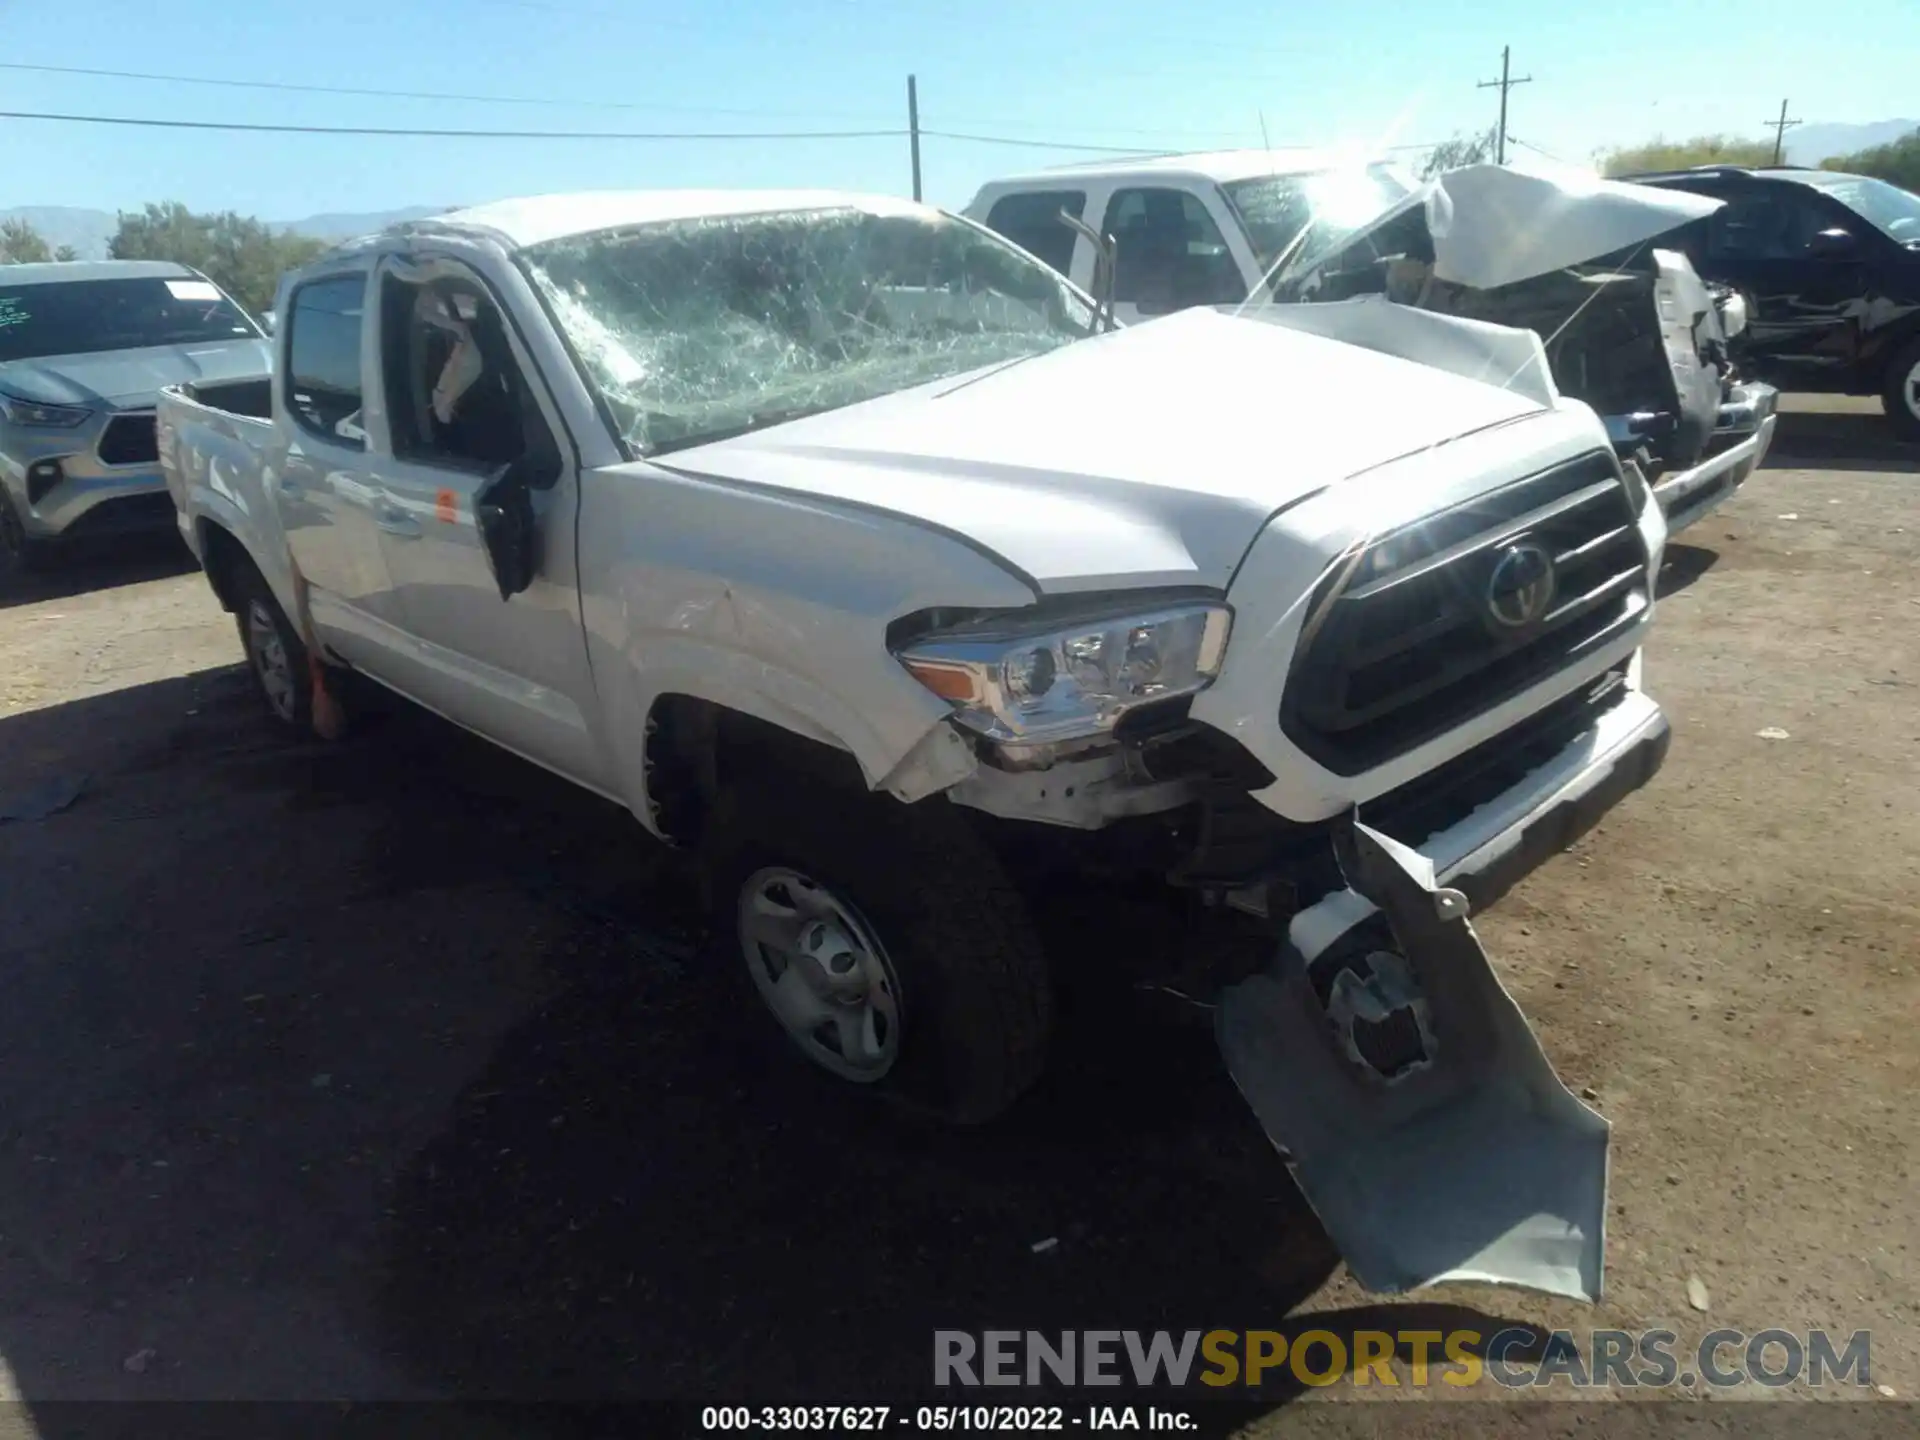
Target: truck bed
219, 450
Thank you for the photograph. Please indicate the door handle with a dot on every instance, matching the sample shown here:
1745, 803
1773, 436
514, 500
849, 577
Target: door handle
395, 521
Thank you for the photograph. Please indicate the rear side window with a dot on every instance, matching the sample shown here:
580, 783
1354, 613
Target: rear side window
1032, 221
323, 358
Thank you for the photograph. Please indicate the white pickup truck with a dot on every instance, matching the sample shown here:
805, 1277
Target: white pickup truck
837, 537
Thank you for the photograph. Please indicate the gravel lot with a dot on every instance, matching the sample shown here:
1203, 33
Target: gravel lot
389, 1069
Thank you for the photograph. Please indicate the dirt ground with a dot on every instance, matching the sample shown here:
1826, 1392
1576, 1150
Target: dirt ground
391, 1068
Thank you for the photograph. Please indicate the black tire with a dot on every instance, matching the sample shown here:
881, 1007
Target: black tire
1901, 394
261, 622
18, 554
974, 993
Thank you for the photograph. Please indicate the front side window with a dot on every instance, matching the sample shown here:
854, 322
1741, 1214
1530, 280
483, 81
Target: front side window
455, 393
1032, 221
694, 330
83, 317
1169, 252
323, 358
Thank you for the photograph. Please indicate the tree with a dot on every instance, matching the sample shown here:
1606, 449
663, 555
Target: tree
237, 252
1453, 153
1660, 153
21, 244
1897, 162
66, 254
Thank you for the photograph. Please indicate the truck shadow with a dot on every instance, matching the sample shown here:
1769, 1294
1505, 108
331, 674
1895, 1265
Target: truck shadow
397, 1067
1682, 565
1837, 440
81, 570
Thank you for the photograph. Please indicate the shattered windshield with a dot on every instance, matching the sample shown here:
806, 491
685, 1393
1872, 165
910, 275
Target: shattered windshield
1332, 204
1888, 207
694, 330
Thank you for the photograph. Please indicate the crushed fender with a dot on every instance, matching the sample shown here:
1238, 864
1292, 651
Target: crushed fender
1414, 1105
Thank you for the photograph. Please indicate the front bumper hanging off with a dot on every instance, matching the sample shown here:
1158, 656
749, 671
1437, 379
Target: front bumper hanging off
1414, 1105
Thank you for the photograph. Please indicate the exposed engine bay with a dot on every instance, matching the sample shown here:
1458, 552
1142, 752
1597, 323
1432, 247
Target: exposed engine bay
1639, 337
1629, 328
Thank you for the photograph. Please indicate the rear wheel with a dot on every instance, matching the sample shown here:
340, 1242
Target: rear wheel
884, 940
1902, 395
274, 653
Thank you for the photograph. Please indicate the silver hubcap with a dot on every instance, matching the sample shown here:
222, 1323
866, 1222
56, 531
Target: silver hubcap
270, 660
822, 973
1910, 391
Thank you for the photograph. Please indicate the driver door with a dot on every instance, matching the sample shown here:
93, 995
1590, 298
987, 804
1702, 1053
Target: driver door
462, 402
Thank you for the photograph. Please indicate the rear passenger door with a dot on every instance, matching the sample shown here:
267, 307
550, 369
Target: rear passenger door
1172, 253
324, 490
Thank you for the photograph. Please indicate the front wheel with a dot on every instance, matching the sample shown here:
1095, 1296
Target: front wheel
18, 552
1902, 393
884, 940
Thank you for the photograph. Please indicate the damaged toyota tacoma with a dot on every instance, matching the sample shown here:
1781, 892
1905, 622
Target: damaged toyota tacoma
839, 539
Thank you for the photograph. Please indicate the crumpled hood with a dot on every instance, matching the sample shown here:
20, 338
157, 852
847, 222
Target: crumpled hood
1495, 225
131, 379
1151, 456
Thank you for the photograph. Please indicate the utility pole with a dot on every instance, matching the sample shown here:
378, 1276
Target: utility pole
1780, 128
1505, 84
913, 130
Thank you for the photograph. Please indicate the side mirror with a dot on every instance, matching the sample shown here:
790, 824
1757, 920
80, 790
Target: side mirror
1832, 244
509, 532
266, 321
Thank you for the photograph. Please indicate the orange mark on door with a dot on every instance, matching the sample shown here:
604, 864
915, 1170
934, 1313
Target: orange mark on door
445, 507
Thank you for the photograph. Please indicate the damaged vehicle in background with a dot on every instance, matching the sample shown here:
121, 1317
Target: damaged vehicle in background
1629, 328
802, 526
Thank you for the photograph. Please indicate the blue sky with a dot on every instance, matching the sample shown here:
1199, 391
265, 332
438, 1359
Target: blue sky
1117, 72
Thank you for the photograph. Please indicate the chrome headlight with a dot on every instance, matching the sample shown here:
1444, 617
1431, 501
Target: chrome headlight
1036, 681
28, 412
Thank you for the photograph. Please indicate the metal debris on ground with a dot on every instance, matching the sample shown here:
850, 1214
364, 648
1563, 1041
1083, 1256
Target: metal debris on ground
1696, 1292
1772, 732
1040, 1247
37, 802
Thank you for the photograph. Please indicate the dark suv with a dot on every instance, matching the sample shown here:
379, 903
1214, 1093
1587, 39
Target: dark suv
1830, 264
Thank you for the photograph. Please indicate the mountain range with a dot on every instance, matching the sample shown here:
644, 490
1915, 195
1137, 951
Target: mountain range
88, 231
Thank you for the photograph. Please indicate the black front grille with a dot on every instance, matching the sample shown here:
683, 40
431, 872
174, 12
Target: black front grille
1407, 640
129, 440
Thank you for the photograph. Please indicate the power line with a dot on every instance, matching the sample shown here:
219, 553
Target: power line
462, 97
657, 135
364, 92
1026, 144
453, 134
